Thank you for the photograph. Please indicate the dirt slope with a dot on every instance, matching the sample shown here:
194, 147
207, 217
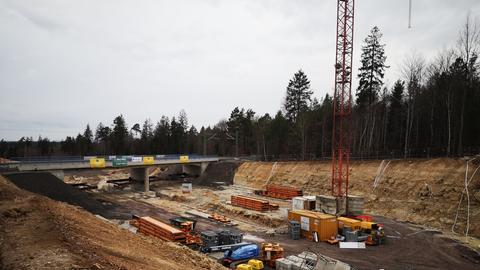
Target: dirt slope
420, 191
39, 233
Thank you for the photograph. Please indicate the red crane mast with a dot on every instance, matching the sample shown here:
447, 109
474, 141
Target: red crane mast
342, 101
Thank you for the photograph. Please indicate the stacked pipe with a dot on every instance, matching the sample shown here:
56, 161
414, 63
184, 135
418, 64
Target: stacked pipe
282, 192
253, 203
153, 227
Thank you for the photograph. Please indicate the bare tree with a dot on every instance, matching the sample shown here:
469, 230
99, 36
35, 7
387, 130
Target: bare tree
413, 70
468, 45
437, 69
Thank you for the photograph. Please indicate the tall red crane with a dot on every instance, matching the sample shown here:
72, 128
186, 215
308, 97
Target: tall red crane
342, 101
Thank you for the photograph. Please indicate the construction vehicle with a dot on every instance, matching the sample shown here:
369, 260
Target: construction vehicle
376, 233
187, 226
239, 255
351, 223
251, 265
373, 233
224, 247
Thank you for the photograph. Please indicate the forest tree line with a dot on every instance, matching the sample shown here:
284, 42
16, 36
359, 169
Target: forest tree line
433, 109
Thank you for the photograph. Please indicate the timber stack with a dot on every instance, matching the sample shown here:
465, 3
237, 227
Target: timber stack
253, 203
153, 227
280, 192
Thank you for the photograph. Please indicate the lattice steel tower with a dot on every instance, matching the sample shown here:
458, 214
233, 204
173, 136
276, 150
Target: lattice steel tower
342, 102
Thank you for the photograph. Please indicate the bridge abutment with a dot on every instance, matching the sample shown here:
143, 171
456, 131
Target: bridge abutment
60, 174
195, 169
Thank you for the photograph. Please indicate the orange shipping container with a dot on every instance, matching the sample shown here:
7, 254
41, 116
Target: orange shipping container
325, 226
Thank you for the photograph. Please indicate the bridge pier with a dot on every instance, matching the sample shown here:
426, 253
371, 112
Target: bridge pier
141, 174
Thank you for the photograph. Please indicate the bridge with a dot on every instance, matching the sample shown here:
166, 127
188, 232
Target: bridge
138, 164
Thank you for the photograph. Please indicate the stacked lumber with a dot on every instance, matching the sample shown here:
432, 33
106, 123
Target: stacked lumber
153, 227
282, 192
253, 203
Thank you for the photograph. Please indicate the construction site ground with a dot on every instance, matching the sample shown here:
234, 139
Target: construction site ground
411, 243
408, 246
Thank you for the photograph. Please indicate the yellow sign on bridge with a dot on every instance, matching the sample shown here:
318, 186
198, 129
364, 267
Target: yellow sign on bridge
97, 163
148, 160
184, 159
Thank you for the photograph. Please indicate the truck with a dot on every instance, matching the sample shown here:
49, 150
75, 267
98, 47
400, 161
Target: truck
242, 254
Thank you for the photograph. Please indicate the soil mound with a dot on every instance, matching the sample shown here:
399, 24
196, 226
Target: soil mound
39, 233
46, 184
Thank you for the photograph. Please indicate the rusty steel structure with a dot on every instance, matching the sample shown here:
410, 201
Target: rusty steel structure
342, 102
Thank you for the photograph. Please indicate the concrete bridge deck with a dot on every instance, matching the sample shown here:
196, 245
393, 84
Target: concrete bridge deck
107, 162
138, 165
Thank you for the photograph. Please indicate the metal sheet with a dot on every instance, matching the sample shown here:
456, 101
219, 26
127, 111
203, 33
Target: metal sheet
352, 245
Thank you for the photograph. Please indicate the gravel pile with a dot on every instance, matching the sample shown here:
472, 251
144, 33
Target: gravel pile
46, 184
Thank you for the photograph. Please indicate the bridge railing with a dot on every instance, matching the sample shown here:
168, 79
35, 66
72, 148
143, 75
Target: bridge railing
86, 159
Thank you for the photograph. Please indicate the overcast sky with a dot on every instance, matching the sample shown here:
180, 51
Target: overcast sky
64, 64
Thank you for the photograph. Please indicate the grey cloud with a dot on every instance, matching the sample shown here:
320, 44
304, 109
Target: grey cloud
64, 64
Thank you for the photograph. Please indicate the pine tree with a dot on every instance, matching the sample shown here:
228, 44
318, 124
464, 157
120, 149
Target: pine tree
373, 67
396, 115
119, 135
183, 120
298, 96
88, 134
88, 139
136, 128
146, 135
147, 130
161, 136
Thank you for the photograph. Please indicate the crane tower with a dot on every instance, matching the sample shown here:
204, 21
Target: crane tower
342, 101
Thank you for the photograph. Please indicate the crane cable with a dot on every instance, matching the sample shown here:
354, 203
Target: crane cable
409, 14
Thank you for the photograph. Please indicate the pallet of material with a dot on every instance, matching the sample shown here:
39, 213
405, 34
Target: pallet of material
153, 227
219, 218
282, 192
253, 203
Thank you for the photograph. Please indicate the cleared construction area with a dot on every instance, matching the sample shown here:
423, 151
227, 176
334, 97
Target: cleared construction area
227, 210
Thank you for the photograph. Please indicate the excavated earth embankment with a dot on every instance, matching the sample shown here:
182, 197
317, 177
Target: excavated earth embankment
425, 192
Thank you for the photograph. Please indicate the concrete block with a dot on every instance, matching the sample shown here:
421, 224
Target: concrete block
328, 204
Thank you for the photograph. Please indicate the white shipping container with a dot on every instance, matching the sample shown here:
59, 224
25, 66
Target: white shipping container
298, 203
186, 187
